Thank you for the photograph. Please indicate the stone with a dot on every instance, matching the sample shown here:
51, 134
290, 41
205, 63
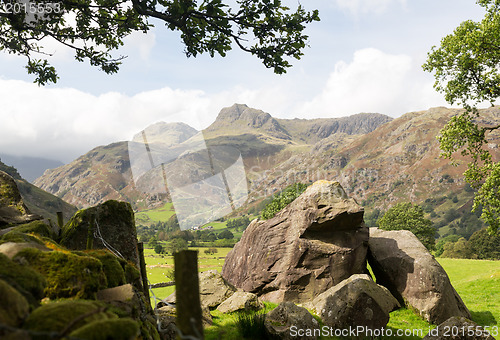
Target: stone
314, 243
10, 249
280, 320
214, 289
112, 266
111, 221
121, 293
241, 301
401, 263
14, 307
124, 328
12, 208
458, 328
356, 301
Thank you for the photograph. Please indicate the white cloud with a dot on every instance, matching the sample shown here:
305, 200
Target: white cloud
373, 82
356, 7
141, 42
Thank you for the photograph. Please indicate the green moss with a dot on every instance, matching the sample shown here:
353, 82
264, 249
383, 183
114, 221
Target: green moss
24, 279
36, 227
67, 274
56, 316
115, 273
132, 275
13, 306
19, 237
149, 330
116, 329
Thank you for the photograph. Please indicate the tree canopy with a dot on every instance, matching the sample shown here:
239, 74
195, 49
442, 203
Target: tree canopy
95, 28
466, 67
406, 216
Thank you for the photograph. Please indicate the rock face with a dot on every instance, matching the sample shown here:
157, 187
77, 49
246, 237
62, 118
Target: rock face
356, 301
458, 328
312, 244
402, 264
280, 320
12, 208
111, 221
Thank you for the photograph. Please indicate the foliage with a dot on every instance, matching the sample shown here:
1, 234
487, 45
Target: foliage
211, 251
239, 223
457, 250
266, 29
371, 218
225, 234
251, 325
485, 246
176, 245
443, 241
406, 216
158, 249
281, 200
466, 69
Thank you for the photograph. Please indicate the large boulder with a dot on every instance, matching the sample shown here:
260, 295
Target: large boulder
459, 328
110, 225
214, 289
311, 245
287, 321
14, 308
401, 263
12, 208
356, 301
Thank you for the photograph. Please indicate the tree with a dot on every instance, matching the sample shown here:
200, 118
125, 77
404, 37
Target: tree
225, 234
467, 70
94, 29
281, 200
406, 216
158, 249
176, 245
485, 246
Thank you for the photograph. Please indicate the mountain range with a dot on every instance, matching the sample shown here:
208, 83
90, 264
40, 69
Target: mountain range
377, 159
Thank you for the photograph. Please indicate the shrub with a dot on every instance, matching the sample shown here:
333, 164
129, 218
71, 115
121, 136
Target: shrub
251, 326
281, 200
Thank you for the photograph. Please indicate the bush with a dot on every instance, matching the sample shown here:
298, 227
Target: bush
281, 200
251, 326
442, 242
485, 246
226, 234
159, 249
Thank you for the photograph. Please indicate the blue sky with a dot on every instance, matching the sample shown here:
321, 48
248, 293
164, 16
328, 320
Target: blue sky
364, 56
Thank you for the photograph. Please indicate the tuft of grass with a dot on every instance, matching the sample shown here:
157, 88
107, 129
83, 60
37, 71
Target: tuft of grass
251, 325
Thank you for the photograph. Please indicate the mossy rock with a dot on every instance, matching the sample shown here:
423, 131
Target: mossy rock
9, 193
132, 275
14, 307
28, 282
113, 220
67, 274
19, 237
149, 330
115, 275
36, 227
57, 316
116, 329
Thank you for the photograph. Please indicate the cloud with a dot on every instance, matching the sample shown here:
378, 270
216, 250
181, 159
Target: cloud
373, 82
356, 7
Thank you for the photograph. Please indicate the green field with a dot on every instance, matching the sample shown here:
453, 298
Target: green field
476, 281
161, 214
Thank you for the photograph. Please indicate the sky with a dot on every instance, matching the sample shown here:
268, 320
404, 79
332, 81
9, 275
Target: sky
363, 56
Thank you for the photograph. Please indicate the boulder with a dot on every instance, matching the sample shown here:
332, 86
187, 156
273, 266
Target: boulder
13, 306
401, 263
12, 208
311, 245
458, 328
124, 328
240, 301
112, 227
214, 289
279, 321
356, 301
121, 293
10, 249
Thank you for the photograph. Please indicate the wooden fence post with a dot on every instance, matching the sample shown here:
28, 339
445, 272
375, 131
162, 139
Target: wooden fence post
187, 293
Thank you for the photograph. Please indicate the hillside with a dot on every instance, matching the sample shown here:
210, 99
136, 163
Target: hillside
38, 201
105, 173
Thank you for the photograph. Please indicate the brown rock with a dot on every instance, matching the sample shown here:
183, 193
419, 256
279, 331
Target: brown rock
356, 301
240, 301
312, 244
458, 328
10, 249
401, 263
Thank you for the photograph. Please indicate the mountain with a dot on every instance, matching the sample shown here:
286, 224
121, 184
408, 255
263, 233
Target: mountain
39, 202
263, 141
30, 168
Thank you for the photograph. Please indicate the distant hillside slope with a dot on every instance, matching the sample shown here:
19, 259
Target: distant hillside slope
264, 142
30, 167
38, 201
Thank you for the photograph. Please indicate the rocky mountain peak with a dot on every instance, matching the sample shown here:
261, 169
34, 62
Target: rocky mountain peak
166, 133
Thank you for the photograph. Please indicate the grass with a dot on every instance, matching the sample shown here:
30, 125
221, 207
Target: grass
476, 281
148, 217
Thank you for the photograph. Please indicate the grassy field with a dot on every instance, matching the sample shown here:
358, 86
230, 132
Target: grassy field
477, 282
155, 215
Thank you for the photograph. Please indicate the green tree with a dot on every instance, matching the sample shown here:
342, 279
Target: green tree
176, 245
466, 67
406, 216
158, 249
225, 234
267, 29
443, 241
457, 250
485, 246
